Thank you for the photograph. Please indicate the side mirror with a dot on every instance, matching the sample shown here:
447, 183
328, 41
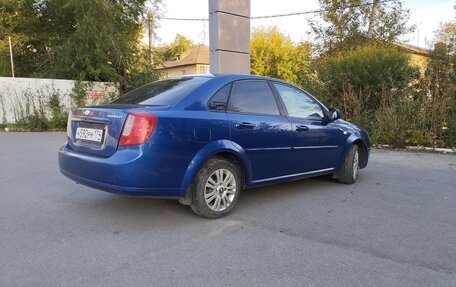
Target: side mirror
334, 114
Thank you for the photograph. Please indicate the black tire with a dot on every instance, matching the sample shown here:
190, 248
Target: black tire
199, 189
350, 169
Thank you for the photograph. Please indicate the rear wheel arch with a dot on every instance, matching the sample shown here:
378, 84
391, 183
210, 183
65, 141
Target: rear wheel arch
233, 158
222, 155
216, 187
222, 149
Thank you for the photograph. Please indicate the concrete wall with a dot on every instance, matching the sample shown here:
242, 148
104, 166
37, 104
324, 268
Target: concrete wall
21, 96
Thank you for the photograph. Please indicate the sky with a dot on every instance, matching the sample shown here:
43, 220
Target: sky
425, 14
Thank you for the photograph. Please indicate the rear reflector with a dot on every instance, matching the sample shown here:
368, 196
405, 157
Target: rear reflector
137, 129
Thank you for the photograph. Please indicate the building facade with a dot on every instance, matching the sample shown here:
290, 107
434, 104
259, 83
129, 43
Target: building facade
194, 61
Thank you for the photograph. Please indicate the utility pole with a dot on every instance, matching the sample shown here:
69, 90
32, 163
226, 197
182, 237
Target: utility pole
418, 34
11, 56
373, 18
150, 29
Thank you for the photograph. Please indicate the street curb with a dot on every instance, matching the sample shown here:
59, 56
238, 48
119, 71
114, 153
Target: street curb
418, 149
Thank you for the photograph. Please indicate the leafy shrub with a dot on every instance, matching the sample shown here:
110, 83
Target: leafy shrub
39, 113
376, 87
371, 70
35, 122
439, 84
78, 93
399, 124
58, 119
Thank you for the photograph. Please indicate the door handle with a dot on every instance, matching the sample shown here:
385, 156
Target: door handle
245, 125
301, 128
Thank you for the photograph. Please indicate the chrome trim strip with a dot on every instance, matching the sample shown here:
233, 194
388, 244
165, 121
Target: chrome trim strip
293, 175
96, 120
269, 148
318, 146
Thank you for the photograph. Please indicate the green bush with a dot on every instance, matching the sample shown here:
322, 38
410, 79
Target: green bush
372, 71
376, 87
399, 124
59, 122
35, 122
78, 93
450, 134
58, 119
33, 114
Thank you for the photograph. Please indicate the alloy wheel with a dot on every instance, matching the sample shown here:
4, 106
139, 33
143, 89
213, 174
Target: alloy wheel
220, 189
355, 164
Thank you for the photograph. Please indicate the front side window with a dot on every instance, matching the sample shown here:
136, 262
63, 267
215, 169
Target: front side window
299, 104
253, 97
162, 93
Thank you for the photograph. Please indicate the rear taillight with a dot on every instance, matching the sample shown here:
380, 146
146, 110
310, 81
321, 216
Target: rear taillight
137, 129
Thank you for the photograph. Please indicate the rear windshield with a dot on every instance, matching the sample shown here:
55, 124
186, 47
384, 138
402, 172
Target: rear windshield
162, 93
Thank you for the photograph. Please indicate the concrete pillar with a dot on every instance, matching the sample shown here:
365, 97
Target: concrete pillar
229, 36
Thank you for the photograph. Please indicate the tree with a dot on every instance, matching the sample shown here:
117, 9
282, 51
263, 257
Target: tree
93, 40
142, 72
447, 34
373, 18
180, 45
102, 41
275, 55
346, 22
18, 19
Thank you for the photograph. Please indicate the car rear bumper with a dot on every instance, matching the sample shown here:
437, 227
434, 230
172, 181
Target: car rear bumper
126, 172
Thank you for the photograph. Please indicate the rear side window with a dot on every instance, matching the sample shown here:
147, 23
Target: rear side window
219, 101
162, 93
253, 97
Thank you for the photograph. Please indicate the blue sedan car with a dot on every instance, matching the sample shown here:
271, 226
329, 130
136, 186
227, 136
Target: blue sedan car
202, 139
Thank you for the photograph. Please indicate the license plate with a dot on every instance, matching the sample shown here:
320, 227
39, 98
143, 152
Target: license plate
88, 134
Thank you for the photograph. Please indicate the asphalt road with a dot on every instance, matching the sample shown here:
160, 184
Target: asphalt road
395, 227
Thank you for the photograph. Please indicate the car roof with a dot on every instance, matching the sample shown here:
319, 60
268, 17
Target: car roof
230, 77
210, 87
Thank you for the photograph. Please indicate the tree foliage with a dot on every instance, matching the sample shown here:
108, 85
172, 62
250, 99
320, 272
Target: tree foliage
344, 23
180, 45
364, 80
368, 70
447, 34
275, 55
92, 40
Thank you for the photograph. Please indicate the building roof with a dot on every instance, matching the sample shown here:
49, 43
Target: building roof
196, 55
412, 49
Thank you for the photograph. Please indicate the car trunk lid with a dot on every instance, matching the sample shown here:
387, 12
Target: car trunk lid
97, 130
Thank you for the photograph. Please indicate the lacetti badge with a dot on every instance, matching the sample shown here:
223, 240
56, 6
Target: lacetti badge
114, 116
86, 112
